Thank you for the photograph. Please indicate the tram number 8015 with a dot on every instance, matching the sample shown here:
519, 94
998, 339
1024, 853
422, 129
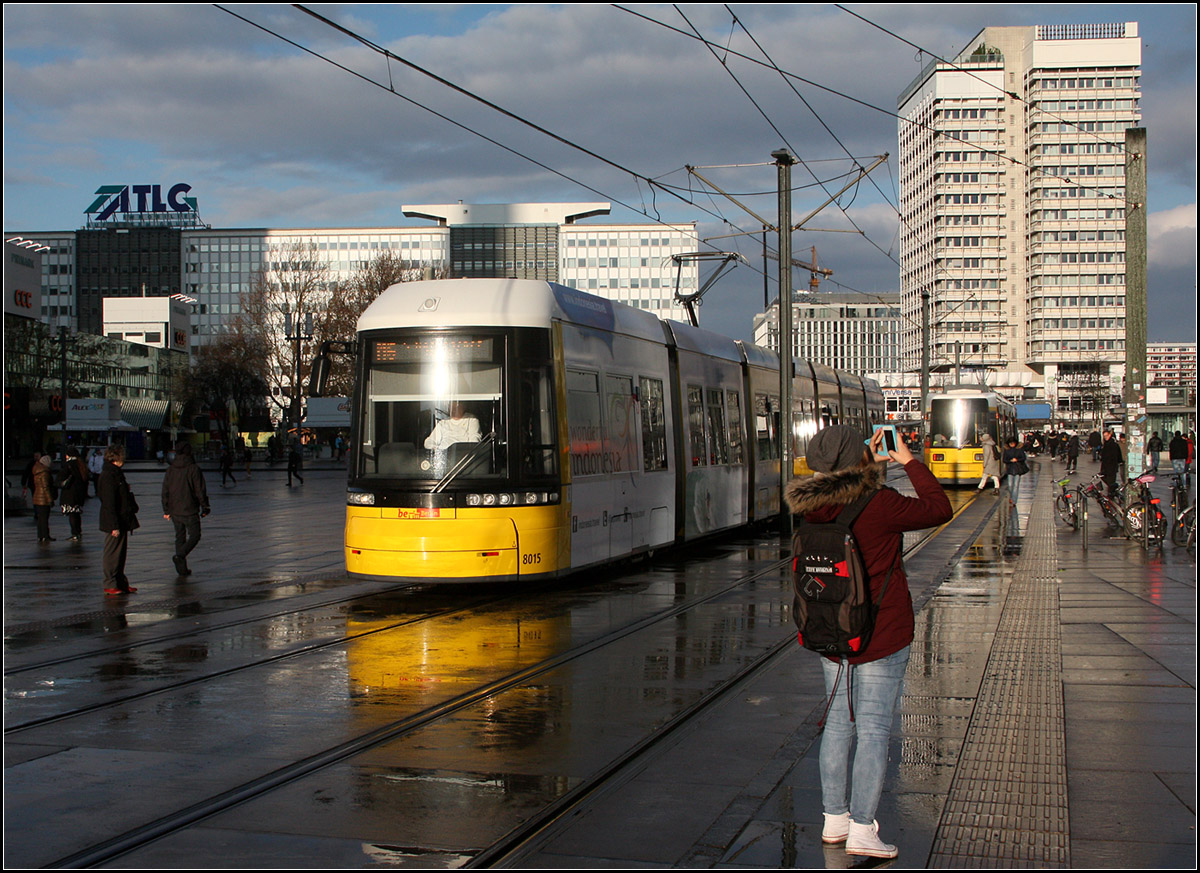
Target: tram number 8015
531, 558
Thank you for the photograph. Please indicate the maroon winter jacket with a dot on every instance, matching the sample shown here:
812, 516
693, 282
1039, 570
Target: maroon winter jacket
879, 531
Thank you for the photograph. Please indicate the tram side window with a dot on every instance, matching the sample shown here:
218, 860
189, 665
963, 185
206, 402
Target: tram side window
733, 403
654, 425
584, 428
620, 450
802, 428
716, 427
696, 445
765, 426
538, 423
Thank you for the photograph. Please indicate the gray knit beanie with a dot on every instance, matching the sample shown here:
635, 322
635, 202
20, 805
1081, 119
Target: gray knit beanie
835, 448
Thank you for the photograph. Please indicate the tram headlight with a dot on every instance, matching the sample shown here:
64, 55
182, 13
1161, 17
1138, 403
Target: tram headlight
524, 498
360, 498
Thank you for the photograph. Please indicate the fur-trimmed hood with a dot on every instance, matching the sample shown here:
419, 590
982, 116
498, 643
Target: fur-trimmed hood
803, 495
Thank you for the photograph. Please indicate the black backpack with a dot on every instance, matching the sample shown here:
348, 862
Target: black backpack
832, 605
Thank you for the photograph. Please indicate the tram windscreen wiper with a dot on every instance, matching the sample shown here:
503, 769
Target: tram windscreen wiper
463, 462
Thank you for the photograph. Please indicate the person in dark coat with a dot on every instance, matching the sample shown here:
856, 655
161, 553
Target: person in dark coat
293, 468
1072, 452
1015, 466
1111, 459
118, 519
184, 502
227, 465
73, 491
845, 471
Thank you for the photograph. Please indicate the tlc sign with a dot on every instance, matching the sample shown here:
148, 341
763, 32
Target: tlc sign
140, 198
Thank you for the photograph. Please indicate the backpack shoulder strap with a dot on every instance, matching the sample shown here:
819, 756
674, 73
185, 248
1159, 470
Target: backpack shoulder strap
852, 510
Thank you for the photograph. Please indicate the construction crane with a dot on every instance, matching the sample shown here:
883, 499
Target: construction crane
812, 268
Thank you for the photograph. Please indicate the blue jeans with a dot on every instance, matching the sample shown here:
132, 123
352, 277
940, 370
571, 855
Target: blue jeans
876, 689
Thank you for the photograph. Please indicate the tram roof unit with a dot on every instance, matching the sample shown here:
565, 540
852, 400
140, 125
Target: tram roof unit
503, 303
705, 342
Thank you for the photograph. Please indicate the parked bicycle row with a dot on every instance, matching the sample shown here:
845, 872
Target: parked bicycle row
1132, 508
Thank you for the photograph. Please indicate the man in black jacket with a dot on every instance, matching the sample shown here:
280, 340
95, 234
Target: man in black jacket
118, 517
185, 502
1111, 460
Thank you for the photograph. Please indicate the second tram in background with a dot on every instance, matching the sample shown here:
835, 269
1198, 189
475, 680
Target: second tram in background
955, 424
507, 429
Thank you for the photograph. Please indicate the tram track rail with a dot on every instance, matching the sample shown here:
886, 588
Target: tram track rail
117, 846
538, 829
111, 849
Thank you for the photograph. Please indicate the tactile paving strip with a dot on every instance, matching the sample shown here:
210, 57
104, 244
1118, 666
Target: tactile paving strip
1007, 805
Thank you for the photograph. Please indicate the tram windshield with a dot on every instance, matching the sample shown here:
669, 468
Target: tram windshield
433, 408
958, 422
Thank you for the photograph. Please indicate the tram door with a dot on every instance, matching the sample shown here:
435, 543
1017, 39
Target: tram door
622, 451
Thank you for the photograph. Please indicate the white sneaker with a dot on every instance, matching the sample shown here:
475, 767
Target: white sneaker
864, 840
837, 827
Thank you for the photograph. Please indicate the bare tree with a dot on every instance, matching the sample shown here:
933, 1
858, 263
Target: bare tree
282, 308
350, 298
232, 367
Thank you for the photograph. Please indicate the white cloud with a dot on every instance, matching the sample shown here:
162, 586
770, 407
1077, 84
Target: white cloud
1171, 236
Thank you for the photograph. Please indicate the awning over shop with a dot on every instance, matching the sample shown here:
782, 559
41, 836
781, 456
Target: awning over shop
145, 414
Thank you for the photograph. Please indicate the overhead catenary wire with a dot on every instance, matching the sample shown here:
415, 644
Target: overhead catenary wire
1120, 147
767, 118
945, 135
640, 178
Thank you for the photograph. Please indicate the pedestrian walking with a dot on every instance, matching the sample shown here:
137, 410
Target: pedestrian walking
1177, 451
227, 466
43, 498
27, 483
73, 491
863, 707
118, 519
1015, 466
184, 502
1111, 460
991, 462
1153, 450
1094, 443
95, 465
293, 464
1073, 448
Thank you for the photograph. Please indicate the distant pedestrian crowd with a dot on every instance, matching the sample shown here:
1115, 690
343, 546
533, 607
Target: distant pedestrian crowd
184, 499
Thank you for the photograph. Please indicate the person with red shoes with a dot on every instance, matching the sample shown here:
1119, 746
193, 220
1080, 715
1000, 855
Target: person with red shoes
118, 518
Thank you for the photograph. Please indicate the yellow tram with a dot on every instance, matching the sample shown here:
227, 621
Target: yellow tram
955, 423
509, 429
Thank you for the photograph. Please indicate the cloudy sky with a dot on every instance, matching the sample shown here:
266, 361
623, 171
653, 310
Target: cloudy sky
270, 133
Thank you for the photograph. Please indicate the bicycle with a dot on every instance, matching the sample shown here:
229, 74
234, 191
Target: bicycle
1142, 516
1067, 504
1110, 507
1179, 496
1183, 529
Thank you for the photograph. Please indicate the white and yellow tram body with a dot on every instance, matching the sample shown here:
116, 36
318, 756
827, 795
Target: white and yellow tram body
955, 423
600, 432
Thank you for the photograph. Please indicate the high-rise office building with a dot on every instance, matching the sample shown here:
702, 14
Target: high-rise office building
855, 332
214, 267
1012, 203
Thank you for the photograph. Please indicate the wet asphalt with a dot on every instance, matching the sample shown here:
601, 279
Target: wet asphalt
1048, 719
